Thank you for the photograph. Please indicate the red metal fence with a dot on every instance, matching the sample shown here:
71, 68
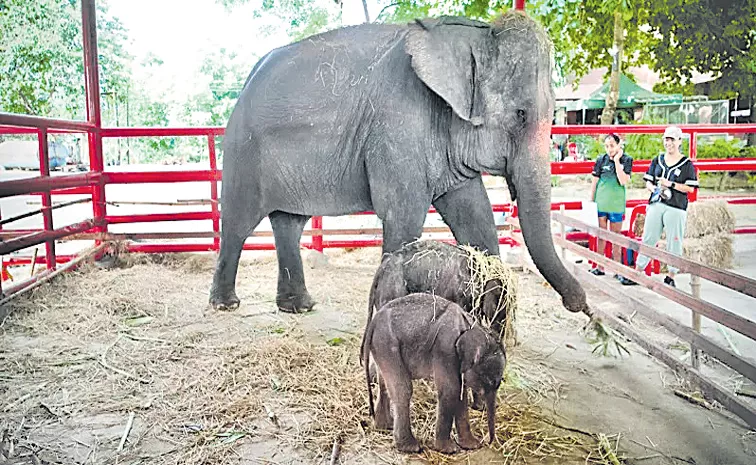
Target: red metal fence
93, 183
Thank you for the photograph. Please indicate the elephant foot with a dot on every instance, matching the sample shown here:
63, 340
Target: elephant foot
445, 446
223, 302
469, 442
408, 445
295, 303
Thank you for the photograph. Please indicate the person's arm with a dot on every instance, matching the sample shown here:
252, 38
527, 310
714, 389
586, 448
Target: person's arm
678, 186
623, 170
650, 176
687, 182
596, 174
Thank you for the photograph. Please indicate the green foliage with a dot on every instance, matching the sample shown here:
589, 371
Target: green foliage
714, 36
583, 33
590, 146
720, 148
407, 11
748, 152
213, 106
41, 57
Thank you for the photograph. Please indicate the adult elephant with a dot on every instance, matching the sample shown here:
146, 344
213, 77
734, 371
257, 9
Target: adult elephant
394, 119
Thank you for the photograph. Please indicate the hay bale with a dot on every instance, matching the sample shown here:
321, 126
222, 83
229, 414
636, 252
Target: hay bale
640, 221
714, 250
709, 217
705, 218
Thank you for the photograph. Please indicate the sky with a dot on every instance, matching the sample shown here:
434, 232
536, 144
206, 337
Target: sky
182, 32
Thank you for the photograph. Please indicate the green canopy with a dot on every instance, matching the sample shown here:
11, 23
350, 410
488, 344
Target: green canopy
631, 95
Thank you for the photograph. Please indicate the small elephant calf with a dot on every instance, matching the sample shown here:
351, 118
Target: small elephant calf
421, 336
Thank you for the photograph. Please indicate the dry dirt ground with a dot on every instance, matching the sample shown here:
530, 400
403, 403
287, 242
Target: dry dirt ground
130, 366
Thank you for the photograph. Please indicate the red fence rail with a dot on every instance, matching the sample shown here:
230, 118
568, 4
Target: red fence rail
95, 181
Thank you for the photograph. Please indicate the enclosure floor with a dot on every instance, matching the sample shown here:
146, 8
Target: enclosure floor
254, 385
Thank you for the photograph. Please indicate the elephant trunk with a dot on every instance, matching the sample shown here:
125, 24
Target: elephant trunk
532, 178
491, 415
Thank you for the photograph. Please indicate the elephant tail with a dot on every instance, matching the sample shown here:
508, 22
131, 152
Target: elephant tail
367, 341
371, 306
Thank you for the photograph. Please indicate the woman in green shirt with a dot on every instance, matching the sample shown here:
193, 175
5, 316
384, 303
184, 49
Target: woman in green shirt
610, 175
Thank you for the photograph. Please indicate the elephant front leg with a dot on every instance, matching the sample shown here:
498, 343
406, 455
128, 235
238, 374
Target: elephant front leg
292, 296
467, 212
402, 224
465, 438
449, 388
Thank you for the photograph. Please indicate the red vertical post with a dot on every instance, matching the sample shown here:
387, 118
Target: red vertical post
44, 170
92, 89
317, 240
693, 196
214, 190
519, 4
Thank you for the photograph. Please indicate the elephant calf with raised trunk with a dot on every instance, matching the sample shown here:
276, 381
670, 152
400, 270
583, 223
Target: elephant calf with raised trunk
421, 336
393, 119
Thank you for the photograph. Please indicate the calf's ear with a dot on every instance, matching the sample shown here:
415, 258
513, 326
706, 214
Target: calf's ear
470, 346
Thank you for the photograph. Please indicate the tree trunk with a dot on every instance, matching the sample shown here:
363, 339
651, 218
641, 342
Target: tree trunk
607, 116
365, 8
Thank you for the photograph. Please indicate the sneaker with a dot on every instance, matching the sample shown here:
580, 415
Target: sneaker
627, 282
597, 272
669, 281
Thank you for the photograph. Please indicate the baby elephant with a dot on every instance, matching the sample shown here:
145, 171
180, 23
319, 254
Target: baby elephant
446, 270
421, 336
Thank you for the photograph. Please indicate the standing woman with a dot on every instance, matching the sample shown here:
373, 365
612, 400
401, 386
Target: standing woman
611, 173
670, 178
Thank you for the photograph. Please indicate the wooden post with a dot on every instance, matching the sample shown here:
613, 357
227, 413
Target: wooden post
695, 289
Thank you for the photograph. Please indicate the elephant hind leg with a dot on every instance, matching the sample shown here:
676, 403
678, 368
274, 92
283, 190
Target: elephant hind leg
236, 227
398, 382
292, 295
384, 420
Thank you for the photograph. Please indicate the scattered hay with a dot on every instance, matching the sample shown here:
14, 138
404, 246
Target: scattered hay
207, 386
484, 268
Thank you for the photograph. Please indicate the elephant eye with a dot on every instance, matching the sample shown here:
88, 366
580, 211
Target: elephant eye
522, 116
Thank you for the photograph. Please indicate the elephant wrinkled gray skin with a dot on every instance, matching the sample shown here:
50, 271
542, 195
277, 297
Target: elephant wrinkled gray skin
421, 336
440, 269
393, 119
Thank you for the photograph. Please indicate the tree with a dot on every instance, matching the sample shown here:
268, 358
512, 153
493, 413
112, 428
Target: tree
226, 72
42, 61
40, 46
708, 36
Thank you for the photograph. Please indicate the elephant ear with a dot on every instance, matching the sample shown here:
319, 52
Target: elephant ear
470, 347
444, 58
